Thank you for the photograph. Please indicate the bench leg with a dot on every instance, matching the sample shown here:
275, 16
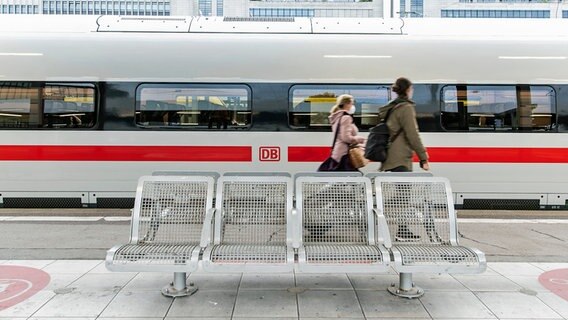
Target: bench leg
406, 288
179, 287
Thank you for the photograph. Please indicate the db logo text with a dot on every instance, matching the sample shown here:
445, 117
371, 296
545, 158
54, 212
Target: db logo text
269, 153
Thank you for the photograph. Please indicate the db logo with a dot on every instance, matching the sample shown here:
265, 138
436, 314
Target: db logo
19, 283
269, 153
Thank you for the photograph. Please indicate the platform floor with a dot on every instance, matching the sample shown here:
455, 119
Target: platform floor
84, 289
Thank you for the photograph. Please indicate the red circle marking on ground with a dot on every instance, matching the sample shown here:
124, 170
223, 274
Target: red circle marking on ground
19, 283
556, 281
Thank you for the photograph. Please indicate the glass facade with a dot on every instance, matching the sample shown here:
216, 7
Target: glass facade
19, 9
416, 8
542, 14
281, 12
134, 8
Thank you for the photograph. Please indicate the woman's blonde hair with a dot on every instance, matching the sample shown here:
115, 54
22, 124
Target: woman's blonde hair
341, 101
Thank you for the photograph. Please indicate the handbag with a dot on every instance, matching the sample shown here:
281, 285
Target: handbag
330, 164
357, 156
344, 164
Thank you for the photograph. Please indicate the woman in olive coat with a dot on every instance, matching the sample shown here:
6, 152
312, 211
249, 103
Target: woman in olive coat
405, 140
403, 129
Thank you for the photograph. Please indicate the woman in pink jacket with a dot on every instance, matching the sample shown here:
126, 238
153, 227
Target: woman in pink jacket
341, 118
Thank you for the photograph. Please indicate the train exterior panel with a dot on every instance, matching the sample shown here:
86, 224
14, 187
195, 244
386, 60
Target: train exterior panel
492, 105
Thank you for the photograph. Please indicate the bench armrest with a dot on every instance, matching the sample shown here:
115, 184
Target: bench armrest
296, 225
207, 228
383, 235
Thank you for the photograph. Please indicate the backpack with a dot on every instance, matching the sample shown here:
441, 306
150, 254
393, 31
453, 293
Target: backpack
379, 139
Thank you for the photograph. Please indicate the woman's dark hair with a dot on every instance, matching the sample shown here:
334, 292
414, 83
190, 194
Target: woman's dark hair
400, 86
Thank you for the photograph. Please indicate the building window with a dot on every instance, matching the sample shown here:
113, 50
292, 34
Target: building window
565, 14
541, 14
498, 108
54, 106
310, 104
222, 107
281, 12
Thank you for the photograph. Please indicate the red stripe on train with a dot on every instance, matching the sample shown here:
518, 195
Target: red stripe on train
125, 153
456, 154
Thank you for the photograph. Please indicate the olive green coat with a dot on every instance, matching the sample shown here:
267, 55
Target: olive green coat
403, 117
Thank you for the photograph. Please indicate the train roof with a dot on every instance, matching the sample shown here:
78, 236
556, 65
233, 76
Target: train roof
411, 26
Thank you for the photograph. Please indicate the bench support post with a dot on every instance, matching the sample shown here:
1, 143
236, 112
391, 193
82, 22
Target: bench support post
406, 288
179, 287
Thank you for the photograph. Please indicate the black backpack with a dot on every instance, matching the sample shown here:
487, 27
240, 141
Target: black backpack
379, 140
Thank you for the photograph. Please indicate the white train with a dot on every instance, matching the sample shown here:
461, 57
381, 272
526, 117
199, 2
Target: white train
89, 104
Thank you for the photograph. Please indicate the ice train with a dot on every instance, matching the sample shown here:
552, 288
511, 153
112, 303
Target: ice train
89, 104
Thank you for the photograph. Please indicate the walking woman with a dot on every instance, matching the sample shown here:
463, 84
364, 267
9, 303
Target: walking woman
341, 118
405, 139
400, 118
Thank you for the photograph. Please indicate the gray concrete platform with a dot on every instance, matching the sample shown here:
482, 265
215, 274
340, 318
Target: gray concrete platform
85, 290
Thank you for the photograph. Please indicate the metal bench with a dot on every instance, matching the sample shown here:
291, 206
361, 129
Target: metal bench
252, 228
166, 229
336, 227
421, 218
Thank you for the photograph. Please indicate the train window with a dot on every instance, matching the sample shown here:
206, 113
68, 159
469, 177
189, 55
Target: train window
224, 107
498, 108
47, 105
310, 104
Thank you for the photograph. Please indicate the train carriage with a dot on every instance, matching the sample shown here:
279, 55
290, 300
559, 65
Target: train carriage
89, 104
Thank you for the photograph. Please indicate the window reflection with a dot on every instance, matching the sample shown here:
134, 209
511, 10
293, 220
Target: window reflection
28, 105
200, 107
498, 108
310, 104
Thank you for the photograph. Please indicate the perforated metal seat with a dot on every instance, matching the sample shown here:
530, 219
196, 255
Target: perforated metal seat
166, 227
251, 229
421, 218
336, 229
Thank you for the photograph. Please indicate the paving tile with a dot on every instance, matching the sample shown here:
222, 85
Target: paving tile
145, 318
329, 304
455, 305
324, 281
260, 303
71, 266
267, 318
555, 302
549, 266
138, 304
101, 268
210, 281
74, 318
39, 264
61, 280
516, 305
76, 304
29, 306
528, 282
383, 304
204, 303
372, 281
515, 269
102, 282
487, 283
176, 318
267, 281
149, 281
444, 282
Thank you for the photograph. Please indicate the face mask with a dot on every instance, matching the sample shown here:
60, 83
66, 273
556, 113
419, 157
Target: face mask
351, 110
